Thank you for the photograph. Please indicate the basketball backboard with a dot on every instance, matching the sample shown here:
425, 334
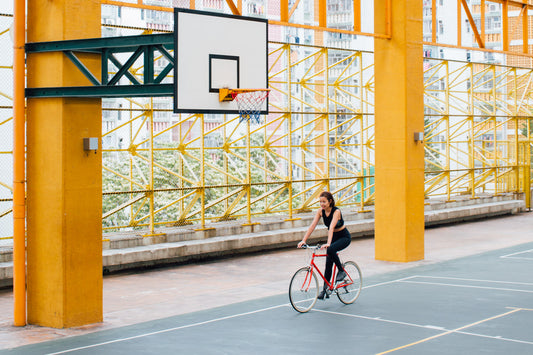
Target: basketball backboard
214, 51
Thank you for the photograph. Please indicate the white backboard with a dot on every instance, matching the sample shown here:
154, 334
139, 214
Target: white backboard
213, 51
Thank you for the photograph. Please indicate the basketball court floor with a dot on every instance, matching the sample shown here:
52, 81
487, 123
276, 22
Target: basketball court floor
479, 304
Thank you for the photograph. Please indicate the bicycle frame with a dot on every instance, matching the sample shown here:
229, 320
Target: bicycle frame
331, 284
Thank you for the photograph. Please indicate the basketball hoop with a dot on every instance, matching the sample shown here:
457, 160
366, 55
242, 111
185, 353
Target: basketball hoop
249, 102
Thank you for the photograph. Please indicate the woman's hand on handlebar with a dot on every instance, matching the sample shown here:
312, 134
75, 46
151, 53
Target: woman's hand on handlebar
324, 246
301, 244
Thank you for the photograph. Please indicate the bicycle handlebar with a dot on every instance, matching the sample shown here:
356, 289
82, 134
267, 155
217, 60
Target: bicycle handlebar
307, 246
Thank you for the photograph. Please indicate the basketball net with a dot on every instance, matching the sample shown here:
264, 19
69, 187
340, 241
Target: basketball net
249, 104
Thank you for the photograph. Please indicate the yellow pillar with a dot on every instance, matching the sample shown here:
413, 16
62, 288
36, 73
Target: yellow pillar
399, 113
19, 165
64, 181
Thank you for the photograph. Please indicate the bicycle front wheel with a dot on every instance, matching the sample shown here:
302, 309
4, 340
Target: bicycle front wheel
350, 288
303, 290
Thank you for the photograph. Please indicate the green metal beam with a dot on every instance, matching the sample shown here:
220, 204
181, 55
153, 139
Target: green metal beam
96, 45
144, 45
82, 67
127, 66
119, 65
150, 90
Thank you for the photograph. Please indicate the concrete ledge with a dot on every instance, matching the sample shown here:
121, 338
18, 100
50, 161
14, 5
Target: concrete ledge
471, 212
178, 245
179, 252
6, 274
6, 254
184, 251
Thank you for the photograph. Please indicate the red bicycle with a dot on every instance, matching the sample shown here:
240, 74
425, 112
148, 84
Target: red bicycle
303, 289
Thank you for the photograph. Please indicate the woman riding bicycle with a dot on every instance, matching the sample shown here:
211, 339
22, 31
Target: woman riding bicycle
338, 237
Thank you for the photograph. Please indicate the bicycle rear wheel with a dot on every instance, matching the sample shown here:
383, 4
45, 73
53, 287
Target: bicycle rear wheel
349, 289
303, 290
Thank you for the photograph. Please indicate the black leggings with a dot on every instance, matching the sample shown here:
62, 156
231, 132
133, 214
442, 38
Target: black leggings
341, 240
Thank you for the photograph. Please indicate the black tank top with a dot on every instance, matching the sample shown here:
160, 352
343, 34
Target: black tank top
327, 219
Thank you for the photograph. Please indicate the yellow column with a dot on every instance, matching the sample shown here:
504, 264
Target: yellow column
19, 161
64, 181
399, 113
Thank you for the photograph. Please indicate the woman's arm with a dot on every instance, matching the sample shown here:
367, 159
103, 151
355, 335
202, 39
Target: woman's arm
311, 227
334, 220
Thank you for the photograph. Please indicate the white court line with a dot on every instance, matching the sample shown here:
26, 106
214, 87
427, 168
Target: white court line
478, 280
516, 257
518, 252
468, 286
496, 337
389, 282
379, 319
169, 329
432, 327
200, 323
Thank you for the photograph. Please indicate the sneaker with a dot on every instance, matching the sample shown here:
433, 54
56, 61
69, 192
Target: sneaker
324, 293
340, 276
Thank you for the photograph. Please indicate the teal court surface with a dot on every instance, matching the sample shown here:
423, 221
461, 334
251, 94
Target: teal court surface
479, 304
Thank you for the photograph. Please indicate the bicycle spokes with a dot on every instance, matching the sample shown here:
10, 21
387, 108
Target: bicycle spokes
303, 290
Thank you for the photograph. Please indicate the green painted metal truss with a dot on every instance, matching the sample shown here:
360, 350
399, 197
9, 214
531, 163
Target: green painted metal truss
145, 46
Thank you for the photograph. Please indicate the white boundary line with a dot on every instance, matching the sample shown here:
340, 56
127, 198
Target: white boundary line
390, 282
169, 329
405, 279
467, 286
477, 280
379, 319
511, 256
200, 323
495, 337
432, 327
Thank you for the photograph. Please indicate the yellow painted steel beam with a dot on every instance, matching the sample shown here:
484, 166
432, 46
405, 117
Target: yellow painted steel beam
121, 207
525, 29
7, 186
482, 21
453, 96
514, 29
480, 41
357, 15
515, 3
322, 13
284, 8
434, 21
459, 23
505, 25
487, 50
138, 5
293, 8
284, 14
235, 9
